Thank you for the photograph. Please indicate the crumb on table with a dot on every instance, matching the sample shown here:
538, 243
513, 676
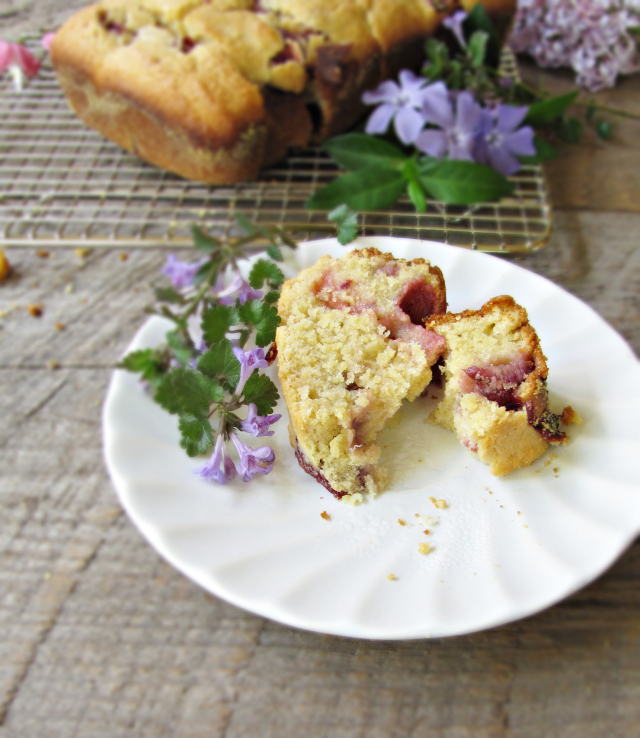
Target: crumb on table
391, 577
325, 515
440, 504
424, 548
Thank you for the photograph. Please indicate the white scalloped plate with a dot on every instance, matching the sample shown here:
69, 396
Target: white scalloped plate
504, 548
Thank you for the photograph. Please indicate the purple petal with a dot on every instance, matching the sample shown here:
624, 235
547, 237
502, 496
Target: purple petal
520, 142
410, 82
432, 142
502, 161
454, 24
436, 106
408, 123
380, 118
467, 113
461, 151
387, 91
509, 118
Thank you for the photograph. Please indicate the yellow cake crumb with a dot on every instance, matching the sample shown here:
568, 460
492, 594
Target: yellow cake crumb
391, 577
325, 515
424, 548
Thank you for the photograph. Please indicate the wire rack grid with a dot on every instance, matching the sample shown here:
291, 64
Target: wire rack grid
62, 184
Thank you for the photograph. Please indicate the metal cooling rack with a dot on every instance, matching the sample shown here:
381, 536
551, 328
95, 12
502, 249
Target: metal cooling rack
62, 184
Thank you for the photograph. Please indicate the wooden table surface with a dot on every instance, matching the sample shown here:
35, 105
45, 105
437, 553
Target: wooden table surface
100, 637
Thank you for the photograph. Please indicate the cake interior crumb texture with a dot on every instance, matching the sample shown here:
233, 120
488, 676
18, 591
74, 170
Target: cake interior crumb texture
351, 347
495, 396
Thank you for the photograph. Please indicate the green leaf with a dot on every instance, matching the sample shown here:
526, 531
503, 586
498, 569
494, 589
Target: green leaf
287, 240
355, 151
436, 52
546, 111
264, 318
274, 252
416, 195
218, 362
147, 362
591, 111
347, 222
203, 241
195, 392
166, 395
479, 20
245, 224
478, 48
544, 152
272, 297
265, 271
183, 351
262, 391
570, 130
168, 294
372, 188
216, 322
205, 272
463, 182
604, 129
197, 436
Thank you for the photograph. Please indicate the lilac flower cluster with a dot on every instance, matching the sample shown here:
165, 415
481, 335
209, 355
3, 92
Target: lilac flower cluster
220, 467
593, 37
442, 123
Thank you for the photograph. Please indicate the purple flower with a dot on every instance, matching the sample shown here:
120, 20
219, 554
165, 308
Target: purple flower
253, 461
500, 140
454, 24
244, 290
220, 468
258, 425
249, 361
457, 132
181, 273
594, 37
400, 103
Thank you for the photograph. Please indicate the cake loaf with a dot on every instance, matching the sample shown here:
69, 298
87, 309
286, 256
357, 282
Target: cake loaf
351, 347
214, 90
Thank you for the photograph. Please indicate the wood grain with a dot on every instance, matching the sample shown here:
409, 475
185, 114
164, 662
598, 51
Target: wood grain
101, 638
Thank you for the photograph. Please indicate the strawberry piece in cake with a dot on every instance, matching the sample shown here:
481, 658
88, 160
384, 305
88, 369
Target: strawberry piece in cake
351, 347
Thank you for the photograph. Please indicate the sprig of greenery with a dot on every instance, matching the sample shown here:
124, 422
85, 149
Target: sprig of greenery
379, 173
200, 384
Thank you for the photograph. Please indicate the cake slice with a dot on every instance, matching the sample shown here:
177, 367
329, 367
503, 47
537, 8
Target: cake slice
351, 347
495, 395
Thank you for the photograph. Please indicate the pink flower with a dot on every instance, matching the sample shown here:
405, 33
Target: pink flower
47, 39
19, 61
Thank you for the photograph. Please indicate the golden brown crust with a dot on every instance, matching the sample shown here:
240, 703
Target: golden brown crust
194, 86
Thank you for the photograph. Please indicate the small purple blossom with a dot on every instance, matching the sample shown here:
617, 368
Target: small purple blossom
244, 290
220, 468
258, 425
249, 361
181, 273
253, 461
454, 24
500, 140
400, 103
456, 136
